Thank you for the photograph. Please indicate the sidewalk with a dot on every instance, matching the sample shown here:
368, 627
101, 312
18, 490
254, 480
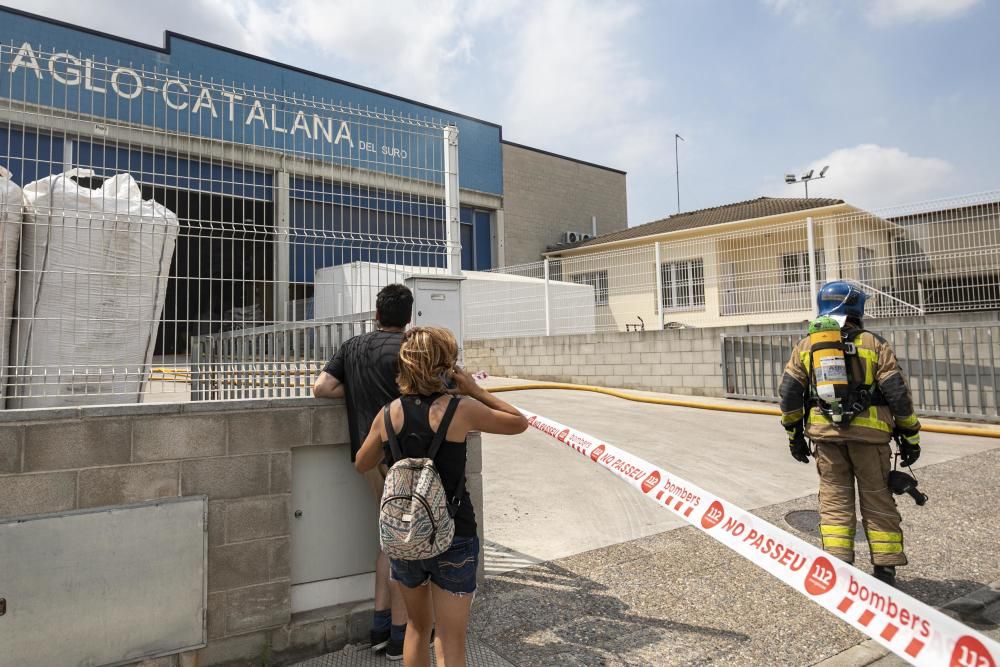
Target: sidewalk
680, 598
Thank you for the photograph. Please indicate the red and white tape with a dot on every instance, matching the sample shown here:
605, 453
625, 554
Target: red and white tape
908, 627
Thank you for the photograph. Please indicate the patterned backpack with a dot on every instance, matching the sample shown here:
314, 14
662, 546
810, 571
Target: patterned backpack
415, 519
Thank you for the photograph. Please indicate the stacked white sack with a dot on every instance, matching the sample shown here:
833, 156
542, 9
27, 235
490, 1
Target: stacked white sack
94, 270
11, 206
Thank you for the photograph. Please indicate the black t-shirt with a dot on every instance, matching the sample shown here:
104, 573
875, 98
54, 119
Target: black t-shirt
367, 365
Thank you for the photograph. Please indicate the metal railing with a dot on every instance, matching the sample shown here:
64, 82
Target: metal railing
276, 361
951, 369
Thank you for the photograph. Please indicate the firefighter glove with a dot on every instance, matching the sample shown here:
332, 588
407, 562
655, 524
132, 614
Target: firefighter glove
798, 447
909, 447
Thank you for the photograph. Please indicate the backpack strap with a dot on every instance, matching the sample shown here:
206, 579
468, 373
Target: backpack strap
439, 437
442, 430
390, 434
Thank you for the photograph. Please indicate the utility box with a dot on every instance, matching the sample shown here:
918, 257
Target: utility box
437, 302
104, 586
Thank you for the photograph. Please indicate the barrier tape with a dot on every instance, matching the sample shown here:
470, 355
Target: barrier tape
911, 629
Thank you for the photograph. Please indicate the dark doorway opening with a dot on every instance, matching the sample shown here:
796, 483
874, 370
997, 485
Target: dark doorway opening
223, 266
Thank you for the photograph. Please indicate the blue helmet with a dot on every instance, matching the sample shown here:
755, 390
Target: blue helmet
841, 297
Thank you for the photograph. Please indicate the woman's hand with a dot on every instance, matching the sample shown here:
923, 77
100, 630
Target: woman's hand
465, 384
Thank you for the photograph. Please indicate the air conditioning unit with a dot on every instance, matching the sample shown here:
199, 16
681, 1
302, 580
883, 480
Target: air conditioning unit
570, 237
586, 237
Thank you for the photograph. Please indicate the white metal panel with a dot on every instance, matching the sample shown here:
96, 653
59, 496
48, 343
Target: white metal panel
104, 587
336, 534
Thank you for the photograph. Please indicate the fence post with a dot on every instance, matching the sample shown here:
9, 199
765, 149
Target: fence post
659, 285
548, 310
453, 227
282, 260
811, 243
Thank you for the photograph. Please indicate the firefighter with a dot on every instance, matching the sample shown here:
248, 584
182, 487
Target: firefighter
848, 396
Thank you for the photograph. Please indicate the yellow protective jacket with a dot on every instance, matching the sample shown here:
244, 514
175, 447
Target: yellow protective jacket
874, 364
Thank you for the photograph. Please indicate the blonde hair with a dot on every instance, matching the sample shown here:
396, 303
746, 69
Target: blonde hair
424, 356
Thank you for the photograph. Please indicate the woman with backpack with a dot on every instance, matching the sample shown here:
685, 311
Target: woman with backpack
427, 524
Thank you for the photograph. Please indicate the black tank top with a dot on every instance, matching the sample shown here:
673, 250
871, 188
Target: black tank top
415, 439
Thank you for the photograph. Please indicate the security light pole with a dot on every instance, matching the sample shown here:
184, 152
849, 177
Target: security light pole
677, 170
806, 177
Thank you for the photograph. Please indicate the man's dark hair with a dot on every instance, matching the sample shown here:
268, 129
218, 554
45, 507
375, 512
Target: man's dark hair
394, 306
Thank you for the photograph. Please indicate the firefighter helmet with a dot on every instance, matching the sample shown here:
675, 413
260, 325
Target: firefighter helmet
843, 298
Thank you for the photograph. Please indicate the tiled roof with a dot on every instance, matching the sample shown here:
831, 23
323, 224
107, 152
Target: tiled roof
744, 210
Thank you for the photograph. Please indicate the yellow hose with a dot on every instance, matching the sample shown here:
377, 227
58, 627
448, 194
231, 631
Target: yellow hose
982, 432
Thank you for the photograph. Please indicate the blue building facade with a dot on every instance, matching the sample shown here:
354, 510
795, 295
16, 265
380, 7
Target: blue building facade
198, 90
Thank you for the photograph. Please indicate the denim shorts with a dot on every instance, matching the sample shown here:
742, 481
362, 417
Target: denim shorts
453, 571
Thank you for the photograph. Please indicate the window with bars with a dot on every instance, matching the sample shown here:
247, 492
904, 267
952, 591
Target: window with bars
683, 285
599, 281
795, 268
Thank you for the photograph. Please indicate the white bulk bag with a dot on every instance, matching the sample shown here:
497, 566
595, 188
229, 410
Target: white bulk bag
94, 270
11, 205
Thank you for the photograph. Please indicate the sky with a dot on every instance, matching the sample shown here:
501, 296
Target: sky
898, 97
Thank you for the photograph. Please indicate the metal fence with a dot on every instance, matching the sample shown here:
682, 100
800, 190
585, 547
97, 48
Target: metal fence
274, 361
142, 209
951, 369
933, 257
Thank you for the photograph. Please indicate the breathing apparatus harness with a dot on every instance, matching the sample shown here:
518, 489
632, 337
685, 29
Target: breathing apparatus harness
831, 388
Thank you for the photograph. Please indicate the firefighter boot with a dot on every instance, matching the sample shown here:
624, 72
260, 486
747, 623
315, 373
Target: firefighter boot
886, 574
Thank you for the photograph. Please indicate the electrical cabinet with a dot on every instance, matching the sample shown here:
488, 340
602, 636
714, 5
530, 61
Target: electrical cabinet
437, 301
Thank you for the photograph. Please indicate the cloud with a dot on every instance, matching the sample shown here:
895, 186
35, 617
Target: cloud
570, 72
872, 176
146, 21
887, 12
576, 85
877, 12
800, 11
407, 47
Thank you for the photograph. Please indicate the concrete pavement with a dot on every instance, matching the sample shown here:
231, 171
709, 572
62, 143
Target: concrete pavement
680, 598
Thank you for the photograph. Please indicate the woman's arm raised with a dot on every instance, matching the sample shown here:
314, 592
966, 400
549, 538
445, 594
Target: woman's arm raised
486, 413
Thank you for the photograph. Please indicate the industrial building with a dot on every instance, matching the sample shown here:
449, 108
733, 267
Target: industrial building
275, 172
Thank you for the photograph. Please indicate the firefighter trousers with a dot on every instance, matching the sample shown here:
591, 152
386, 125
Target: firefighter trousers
841, 465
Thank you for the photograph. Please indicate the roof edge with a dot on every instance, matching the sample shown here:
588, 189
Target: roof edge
564, 157
715, 227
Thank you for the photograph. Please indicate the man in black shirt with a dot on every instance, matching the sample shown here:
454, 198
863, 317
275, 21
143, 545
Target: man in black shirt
363, 372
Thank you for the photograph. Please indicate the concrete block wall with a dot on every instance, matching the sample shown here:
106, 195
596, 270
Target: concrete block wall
239, 455
688, 361
679, 361
545, 195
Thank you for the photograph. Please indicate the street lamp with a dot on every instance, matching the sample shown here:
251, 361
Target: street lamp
806, 177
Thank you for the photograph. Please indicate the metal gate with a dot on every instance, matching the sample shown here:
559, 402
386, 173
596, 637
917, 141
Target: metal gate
951, 369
